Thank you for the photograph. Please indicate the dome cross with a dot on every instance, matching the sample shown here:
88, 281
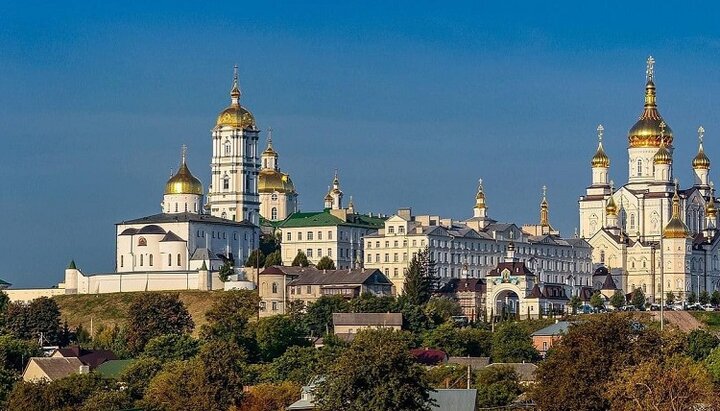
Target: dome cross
650, 71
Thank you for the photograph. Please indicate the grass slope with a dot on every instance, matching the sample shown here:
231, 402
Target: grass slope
111, 309
711, 319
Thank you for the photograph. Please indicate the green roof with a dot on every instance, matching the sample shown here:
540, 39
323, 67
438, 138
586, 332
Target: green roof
325, 218
113, 368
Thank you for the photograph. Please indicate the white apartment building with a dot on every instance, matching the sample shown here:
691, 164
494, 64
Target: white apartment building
472, 248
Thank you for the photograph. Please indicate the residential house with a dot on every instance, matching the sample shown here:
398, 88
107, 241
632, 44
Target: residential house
525, 371
545, 338
469, 293
53, 368
346, 325
91, 358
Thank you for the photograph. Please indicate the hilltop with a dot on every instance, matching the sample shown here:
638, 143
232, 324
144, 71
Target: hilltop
111, 309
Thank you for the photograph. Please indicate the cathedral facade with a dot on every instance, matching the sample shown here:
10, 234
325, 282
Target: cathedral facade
649, 233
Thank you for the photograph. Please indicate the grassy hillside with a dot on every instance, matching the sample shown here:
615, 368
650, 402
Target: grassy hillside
111, 309
710, 319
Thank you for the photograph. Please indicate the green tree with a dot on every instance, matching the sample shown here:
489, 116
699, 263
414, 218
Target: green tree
712, 363
638, 299
275, 334
476, 342
448, 376
715, 298
497, 386
609, 342
700, 343
300, 260
274, 258
325, 263
226, 270
229, 316
29, 321
512, 343
442, 309
575, 303
445, 337
296, 364
692, 297
63, 394
318, 317
704, 297
138, 374
15, 353
116, 400
8, 378
597, 301
371, 303
171, 347
155, 314
676, 383
113, 339
670, 298
255, 259
212, 381
420, 278
618, 299
270, 397
376, 372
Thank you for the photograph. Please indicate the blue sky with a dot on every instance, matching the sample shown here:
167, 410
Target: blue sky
411, 102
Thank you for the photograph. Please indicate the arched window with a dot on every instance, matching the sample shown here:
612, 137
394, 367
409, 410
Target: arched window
176, 208
223, 215
602, 256
273, 213
186, 207
141, 260
226, 182
122, 261
142, 242
274, 288
150, 260
179, 260
169, 260
632, 220
639, 167
274, 197
228, 148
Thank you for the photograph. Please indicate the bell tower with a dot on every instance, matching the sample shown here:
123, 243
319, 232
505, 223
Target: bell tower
233, 191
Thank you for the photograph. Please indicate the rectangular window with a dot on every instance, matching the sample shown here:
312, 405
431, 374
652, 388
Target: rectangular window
288, 237
319, 235
377, 258
401, 229
310, 235
319, 252
414, 243
329, 235
329, 252
395, 257
387, 257
309, 289
299, 236
391, 229
395, 244
309, 252
369, 258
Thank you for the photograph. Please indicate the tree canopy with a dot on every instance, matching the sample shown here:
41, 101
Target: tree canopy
300, 260
155, 314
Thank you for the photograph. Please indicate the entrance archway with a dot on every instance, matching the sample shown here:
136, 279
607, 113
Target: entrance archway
506, 304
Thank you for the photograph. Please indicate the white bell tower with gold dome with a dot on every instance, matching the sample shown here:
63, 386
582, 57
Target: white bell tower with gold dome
278, 198
183, 191
233, 191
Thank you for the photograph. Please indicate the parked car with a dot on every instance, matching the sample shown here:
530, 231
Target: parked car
654, 307
708, 307
678, 307
628, 308
695, 307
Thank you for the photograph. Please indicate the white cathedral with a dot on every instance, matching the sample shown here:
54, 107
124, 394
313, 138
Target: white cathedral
184, 245
650, 233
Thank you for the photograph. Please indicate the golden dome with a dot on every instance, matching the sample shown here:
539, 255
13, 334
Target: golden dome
480, 196
675, 228
701, 160
649, 128
662, 156
270, 181
236, 115
600, 159
611, 208
183, 182
710, 209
